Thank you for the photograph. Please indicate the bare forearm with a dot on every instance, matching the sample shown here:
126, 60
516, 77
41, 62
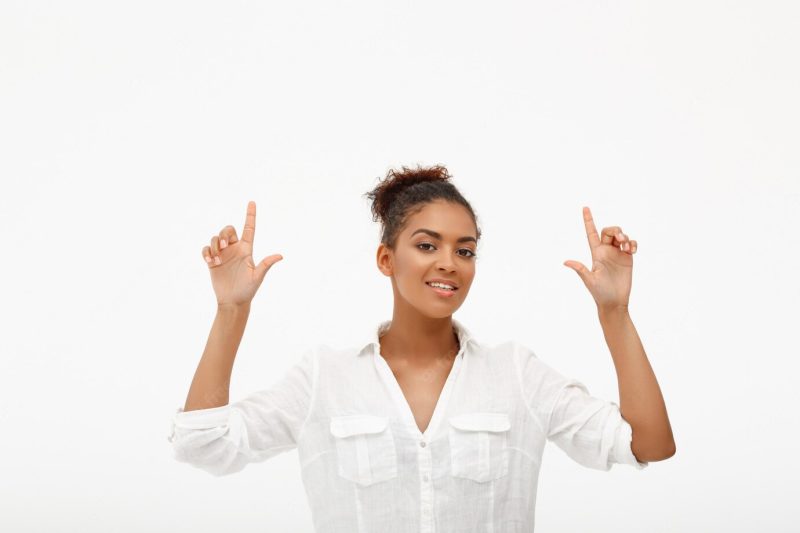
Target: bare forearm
641, 402
211, 383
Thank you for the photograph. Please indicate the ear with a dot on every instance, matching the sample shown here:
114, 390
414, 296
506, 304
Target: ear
383, 258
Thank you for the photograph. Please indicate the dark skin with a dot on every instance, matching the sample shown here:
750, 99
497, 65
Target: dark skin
420, 346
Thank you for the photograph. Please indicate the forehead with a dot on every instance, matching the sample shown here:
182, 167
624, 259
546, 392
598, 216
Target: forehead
448, 218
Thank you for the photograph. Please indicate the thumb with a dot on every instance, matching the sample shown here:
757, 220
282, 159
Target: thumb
266, 264
579, 268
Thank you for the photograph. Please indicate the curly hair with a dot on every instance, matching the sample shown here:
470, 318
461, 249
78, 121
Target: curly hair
405, 192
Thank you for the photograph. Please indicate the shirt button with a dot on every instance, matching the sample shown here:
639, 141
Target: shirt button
422, 444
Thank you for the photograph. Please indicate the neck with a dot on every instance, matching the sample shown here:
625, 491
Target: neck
419, 340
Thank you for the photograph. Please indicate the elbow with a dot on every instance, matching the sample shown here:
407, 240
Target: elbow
670, 451
666, 454
652, 445
656, 454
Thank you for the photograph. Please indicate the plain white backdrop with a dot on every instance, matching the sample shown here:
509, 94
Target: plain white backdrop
131, 133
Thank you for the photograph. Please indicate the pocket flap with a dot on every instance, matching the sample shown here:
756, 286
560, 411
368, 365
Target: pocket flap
481, 422
347, 425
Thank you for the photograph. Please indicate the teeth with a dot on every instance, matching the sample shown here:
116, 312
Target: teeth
441, 285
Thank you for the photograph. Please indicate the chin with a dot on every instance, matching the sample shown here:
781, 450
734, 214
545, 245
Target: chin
443, 310
439, 314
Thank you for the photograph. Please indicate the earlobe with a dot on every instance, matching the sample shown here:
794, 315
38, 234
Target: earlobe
380, 266
384, 267
383, 261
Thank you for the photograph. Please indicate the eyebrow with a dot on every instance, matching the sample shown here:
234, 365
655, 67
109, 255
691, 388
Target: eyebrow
437, 235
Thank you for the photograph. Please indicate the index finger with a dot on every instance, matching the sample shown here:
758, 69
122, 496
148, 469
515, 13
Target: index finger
591, 230
249, 232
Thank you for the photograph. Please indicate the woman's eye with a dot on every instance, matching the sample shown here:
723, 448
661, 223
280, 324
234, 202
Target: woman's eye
470, 255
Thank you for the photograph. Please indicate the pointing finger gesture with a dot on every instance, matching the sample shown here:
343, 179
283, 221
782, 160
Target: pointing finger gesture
249, 231
609, 280
234, 276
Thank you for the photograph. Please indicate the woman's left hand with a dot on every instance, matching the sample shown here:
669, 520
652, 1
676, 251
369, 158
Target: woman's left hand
609, 281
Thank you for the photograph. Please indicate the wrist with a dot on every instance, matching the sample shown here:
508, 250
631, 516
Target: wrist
233, 308
617, 311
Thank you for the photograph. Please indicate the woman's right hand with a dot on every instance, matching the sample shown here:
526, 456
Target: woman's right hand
234, 275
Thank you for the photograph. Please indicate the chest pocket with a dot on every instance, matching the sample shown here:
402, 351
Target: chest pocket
479, 446
365, 448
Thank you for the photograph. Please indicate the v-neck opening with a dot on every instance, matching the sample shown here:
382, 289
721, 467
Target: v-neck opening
401, 401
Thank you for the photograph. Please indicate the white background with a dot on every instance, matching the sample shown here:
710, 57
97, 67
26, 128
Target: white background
131, 133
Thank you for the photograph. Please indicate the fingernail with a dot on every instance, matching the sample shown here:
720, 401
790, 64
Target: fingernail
217, 260
209, 260
223, 243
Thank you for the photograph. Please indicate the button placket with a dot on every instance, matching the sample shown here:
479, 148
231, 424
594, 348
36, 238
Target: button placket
426, 490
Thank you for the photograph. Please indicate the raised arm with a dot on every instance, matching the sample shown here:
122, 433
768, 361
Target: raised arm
641, 402
211, 383
235, 279
209, 432
609, 282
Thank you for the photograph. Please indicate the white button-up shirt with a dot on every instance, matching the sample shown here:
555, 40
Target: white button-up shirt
366, 466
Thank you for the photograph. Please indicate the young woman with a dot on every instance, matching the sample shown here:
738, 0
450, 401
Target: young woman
420, 427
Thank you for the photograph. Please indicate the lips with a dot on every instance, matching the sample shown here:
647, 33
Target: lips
444, 281
442, 293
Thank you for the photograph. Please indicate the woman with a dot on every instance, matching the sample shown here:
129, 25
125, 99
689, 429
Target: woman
420, 427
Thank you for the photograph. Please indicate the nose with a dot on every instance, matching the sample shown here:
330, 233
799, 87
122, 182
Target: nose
447, 264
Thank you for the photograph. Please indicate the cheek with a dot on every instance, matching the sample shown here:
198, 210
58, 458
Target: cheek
468, 279
410, 264
405, 271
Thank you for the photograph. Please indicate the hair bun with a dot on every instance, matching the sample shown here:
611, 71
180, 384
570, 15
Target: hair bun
398, 181
404, 192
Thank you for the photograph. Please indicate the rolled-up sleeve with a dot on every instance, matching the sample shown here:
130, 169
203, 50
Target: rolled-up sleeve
591, 430
223, 440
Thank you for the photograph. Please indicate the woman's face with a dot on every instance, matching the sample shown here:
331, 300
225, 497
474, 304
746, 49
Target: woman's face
438, 242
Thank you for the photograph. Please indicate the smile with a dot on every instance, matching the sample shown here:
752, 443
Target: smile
441, 291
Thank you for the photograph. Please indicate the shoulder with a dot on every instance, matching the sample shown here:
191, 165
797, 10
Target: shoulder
512, 350
534, 370
338, 355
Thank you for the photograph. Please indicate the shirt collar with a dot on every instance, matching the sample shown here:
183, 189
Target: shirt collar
371, 339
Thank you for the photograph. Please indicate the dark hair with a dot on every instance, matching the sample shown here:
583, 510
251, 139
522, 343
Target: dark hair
405, 192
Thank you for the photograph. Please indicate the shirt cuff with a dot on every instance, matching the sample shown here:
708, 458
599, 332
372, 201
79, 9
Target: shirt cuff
622, 450
199, 419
